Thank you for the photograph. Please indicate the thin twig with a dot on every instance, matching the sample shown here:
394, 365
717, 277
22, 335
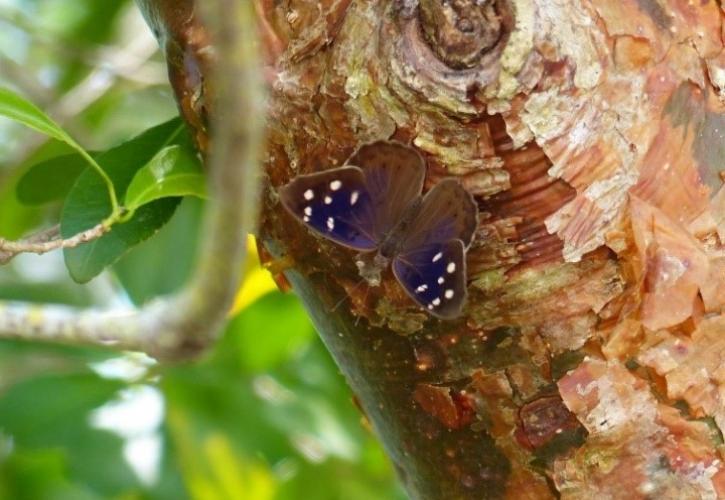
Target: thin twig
183, 325
47, 241
44, 235
40, 237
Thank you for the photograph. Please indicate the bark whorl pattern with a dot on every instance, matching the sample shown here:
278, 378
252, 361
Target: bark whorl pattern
460, 31
588, 362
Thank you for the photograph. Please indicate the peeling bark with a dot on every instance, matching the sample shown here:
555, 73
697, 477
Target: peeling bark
592, 134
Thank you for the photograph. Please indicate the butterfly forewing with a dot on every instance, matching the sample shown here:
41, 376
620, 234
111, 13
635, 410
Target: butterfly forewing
394, 175
335, 203
448, 212
434, 276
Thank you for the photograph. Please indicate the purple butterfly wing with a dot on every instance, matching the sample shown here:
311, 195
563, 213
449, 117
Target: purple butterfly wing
394, 175
359, 204
448, 212
431, 262
435, 277
336, 204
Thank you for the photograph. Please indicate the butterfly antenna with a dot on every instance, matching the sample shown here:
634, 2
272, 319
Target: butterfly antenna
347, 294
365, 297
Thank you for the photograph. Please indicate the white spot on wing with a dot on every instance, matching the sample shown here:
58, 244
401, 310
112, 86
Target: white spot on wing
436, 301
451, 268
449, 294
430, 307
441, 280
437, 257
353, 197
309, 194
328, 200
421, 288
306, 219
335, 185
308, 211
330, 223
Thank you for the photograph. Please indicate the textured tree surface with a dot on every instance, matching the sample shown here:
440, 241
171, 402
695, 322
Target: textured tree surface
589, 362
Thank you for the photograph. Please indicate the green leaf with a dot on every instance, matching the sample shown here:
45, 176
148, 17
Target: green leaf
171, 172
19, 109
50, 180
17, 219
23, 111
162, 264
86, 204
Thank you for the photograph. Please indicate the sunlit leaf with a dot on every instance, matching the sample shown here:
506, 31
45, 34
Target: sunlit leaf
21, 110
171, 172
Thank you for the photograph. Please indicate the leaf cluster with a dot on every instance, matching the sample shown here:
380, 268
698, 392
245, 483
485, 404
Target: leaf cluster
149, 173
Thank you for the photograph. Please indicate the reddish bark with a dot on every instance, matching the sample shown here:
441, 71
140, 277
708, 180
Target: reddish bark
592, 135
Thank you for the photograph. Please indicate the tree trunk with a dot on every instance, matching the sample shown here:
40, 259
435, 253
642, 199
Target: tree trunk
589, 359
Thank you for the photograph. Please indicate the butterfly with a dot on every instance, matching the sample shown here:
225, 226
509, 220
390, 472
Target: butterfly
375, 204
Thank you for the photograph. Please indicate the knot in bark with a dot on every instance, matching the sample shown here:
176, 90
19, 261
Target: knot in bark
460, 31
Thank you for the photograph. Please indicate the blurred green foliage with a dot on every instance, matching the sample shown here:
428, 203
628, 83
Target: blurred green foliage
265, 415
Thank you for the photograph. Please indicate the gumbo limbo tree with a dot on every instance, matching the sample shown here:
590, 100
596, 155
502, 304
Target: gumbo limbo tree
587, 361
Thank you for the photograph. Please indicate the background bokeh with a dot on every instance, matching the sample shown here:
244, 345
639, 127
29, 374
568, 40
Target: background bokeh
265, 415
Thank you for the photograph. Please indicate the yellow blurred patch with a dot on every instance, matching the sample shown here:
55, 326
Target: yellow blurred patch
236, 477
257, 280
213, 471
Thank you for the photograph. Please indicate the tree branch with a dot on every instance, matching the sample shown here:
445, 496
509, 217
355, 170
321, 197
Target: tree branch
47, 241
183, 325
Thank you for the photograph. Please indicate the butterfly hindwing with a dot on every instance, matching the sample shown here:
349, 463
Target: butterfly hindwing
447, 212
434, 276
431, 260
336, 204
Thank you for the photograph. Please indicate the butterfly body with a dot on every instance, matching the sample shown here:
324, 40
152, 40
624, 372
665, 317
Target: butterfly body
374, 204
392, 243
